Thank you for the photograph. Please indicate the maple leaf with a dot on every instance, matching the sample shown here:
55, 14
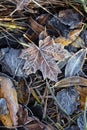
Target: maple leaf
43, 58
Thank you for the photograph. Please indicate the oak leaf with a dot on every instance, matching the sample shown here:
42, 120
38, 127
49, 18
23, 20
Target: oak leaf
43, 58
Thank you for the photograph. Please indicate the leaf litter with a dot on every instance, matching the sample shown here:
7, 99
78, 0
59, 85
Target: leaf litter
43, 65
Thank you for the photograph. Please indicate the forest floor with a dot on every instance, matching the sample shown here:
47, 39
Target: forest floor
43, 65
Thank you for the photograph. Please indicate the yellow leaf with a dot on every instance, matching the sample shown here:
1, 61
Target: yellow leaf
6, 120
71, 38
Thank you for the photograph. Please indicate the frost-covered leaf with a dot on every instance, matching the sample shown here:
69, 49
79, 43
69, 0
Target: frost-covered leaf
68, 100
70, 17
8, 92
75, 63
10, 61
43, 58
80, 122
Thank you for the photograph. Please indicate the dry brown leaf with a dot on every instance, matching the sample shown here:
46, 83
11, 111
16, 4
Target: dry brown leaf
43, 58
71, 38
22, 92
8, 92
83, 94
34, 30
74, 80
35, 26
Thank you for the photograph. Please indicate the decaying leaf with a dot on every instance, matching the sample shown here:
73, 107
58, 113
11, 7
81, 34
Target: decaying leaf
59, 27
8, 92
35, 26
68, 100
82, 93
43, 58
75, 63
34, 30
74, 80
70, 17
71, 37
66, 20
22, 92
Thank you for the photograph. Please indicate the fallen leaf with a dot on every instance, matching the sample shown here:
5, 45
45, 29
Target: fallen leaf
80, 121
22, 92
8, 92
74, 80
82, 93
72, 36
67, 98
43, 18
38, 28
64, 22
34, 30
70, 17
75, 63
43, 58
59, 27
10, 61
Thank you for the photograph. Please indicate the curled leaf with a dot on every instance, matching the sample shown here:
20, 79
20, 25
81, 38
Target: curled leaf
74, 80
8, 92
